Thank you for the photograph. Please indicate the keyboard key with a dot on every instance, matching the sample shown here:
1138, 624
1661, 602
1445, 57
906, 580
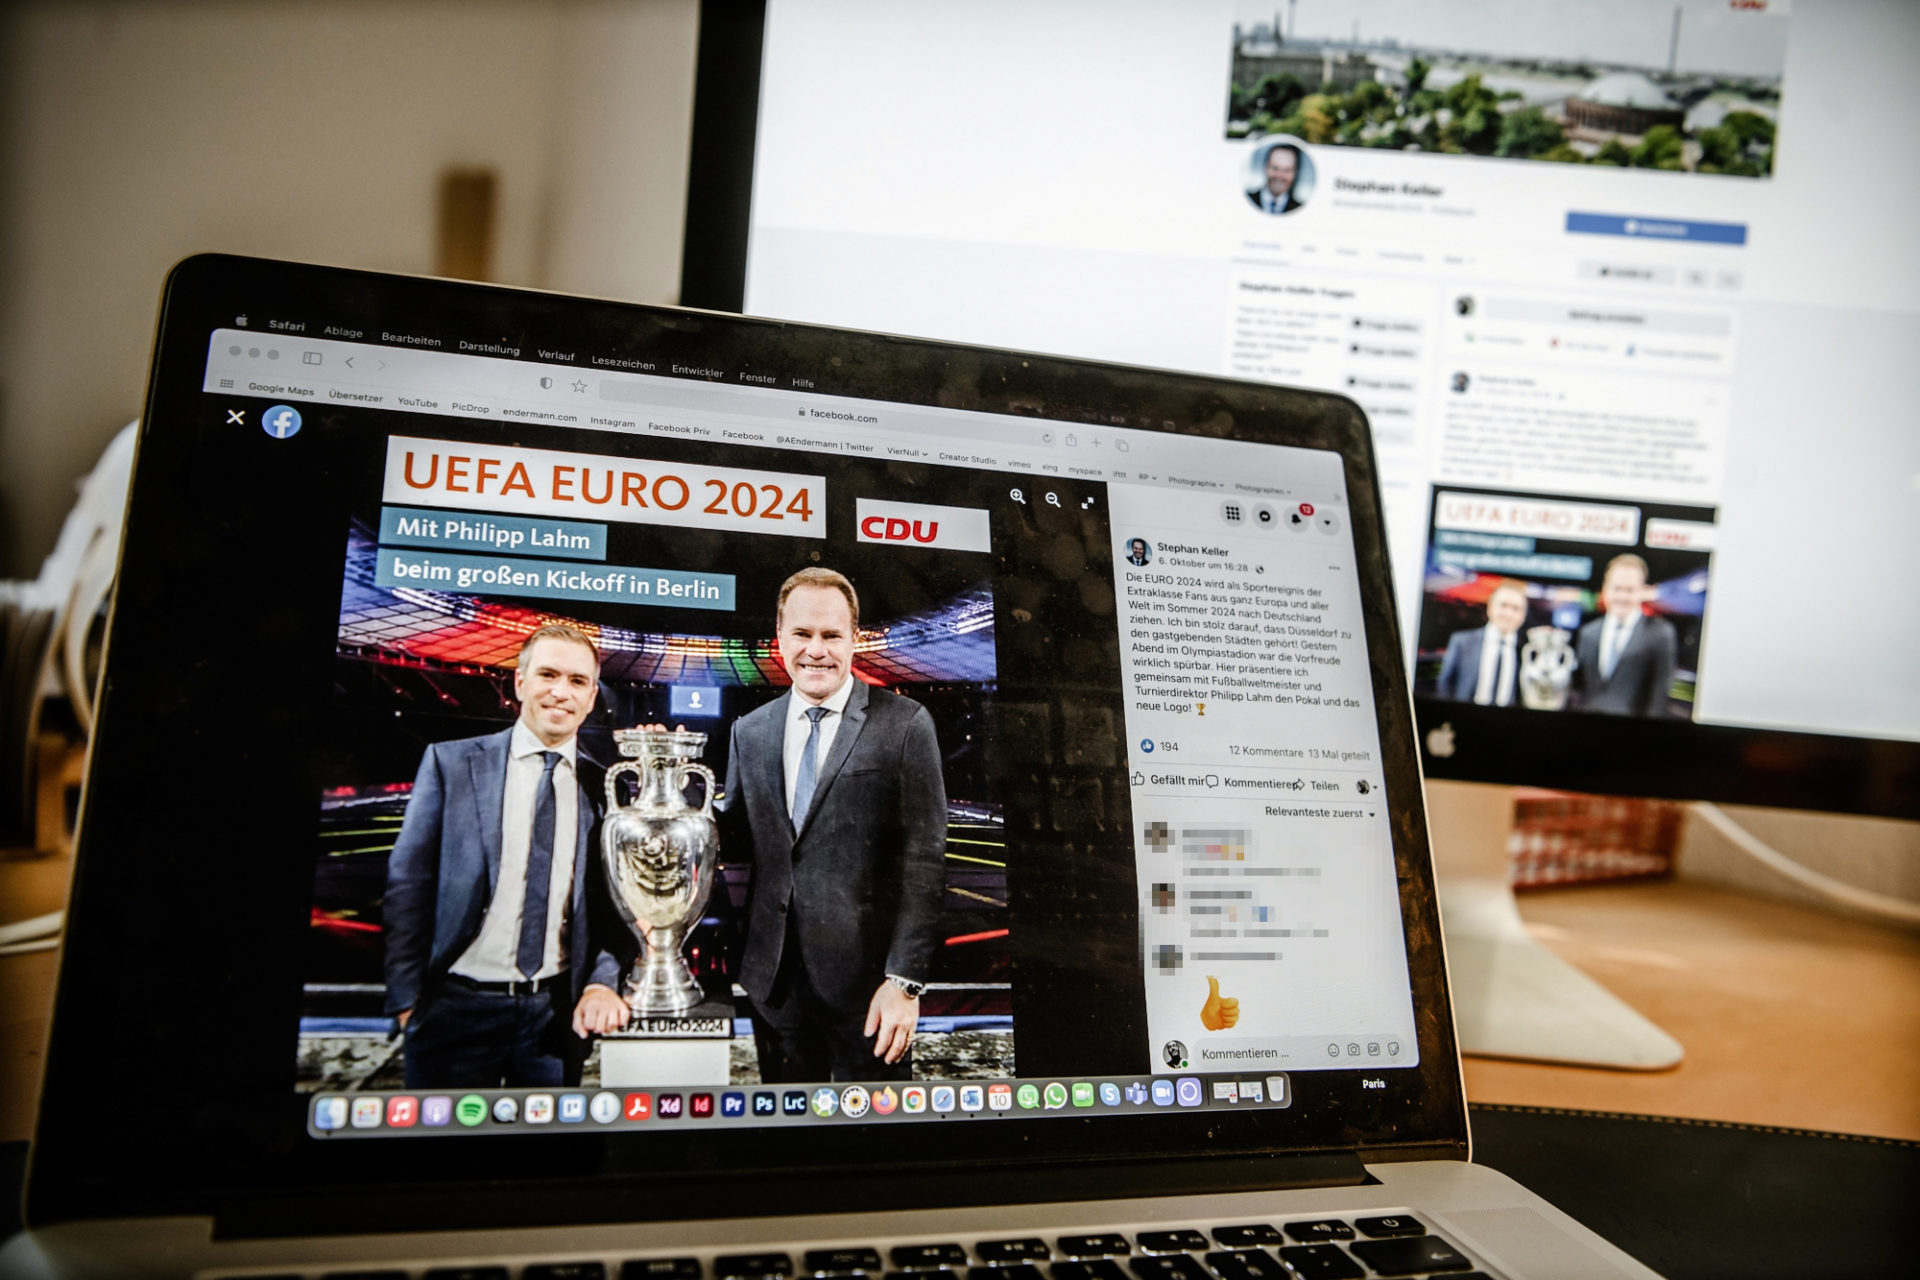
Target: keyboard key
1383, 1228
1416, 1253
1092, 1269
1030, 1249
1247, 1264
1318, 1230
922, 1257
1246, 1237
1321, 1262
1111, 1245
939, 1273
1012, 1271
1170, 1241
466, 1273
1167, 1266
832, 1260
661, 1269
749, 1266
564, 1271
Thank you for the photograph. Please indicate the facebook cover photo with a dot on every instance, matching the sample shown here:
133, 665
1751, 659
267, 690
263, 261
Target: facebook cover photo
503, 612
1555, 603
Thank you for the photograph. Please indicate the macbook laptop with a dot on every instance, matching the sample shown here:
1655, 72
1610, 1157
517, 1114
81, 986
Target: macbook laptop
588, 790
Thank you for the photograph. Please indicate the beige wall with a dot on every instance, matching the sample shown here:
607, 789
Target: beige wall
134, 134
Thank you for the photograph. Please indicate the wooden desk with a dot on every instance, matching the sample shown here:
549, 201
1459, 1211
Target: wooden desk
30, 885
1790, 1016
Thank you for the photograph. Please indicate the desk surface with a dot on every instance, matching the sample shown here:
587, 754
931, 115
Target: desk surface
1790, 1016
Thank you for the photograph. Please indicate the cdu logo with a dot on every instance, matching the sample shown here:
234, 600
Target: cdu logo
919, 524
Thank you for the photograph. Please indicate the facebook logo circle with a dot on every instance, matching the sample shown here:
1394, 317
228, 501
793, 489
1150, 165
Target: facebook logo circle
280, 421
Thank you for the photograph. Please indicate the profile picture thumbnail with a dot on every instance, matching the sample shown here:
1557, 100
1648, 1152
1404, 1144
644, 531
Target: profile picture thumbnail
1279, 176
1139, 552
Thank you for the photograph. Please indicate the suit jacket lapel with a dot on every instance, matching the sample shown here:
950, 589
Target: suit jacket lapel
587, 805
843, 740
764, 753
489, 776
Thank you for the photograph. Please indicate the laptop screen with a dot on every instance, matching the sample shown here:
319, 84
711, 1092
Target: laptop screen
699, 726
1215, 730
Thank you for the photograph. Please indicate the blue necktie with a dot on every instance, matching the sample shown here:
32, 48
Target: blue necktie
533, 912
809, 769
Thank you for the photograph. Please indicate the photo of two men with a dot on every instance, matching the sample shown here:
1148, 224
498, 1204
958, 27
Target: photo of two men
504, 952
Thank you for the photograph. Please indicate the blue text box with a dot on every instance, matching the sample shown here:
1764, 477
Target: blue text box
1482, 541
552, 579
1572, 568
1642, 228
510, 535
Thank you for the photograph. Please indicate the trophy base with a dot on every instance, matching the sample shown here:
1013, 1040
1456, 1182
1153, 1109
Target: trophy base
692, 1047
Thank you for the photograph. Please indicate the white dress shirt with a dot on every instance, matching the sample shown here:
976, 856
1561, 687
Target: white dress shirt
799, 727
1495, 686
493, 955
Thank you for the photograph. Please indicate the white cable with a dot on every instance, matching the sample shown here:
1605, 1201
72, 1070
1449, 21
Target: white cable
1877, 904
21, 948
31, 930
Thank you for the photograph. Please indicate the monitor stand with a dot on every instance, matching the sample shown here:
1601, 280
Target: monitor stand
1513, 998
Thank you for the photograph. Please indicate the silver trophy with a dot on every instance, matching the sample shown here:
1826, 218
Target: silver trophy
661, 855
1546, 668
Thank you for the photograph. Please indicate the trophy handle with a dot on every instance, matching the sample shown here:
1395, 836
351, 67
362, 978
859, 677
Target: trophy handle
686, 773
613, 781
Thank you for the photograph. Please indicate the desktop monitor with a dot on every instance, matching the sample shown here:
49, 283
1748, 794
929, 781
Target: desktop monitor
1626, 292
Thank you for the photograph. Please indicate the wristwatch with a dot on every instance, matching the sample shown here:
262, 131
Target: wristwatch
908, 987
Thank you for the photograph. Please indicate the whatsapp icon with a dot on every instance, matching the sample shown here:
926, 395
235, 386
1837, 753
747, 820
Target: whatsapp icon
1056, 1096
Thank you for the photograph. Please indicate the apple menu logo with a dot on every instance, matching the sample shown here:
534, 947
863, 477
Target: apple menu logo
1440, 741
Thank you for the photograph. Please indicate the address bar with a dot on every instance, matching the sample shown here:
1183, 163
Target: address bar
706, 398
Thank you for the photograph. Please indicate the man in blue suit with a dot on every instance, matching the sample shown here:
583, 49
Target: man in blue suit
1626, 655
1483, 663
495, 971
835, 793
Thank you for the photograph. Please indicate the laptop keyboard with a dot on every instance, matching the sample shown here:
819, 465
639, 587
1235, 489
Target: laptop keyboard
1397, 1245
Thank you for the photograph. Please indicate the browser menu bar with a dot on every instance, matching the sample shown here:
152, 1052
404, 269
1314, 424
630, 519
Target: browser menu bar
684, 401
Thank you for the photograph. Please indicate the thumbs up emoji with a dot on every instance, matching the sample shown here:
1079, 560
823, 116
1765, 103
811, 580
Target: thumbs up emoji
1217, 1014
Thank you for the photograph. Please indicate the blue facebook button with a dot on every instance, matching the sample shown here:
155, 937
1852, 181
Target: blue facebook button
695, 700
1613, 224
280, 421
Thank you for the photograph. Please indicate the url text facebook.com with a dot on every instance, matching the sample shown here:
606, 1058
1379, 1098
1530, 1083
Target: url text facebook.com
835, 416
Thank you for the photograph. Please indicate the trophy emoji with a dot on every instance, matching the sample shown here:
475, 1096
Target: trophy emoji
1546, 668
661, 856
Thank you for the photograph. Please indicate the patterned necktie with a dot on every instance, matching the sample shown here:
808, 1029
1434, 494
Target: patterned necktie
809, 769
533, 912
1503, 675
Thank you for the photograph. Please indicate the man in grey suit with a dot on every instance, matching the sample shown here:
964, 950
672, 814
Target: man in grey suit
491, 958
1483, 663
835, 793
1626, 658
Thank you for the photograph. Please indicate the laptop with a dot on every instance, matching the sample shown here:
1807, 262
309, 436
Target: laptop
591, 790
